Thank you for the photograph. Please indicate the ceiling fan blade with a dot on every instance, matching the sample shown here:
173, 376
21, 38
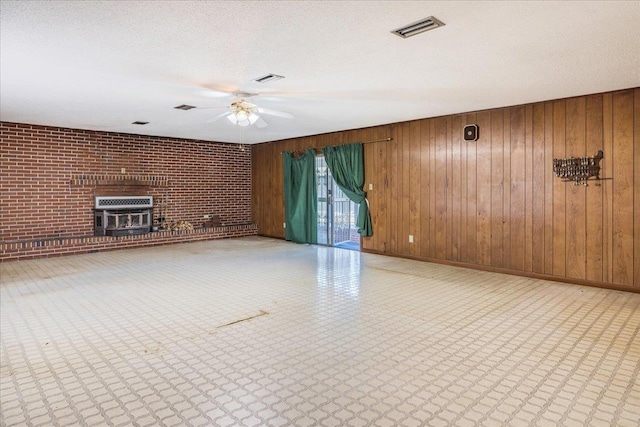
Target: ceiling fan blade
261, 123
275, 113
216, 93
218, 117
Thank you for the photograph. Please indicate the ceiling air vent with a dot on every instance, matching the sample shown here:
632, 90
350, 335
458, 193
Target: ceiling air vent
137, 122
268, 78
421, 26
244, 94
184, 107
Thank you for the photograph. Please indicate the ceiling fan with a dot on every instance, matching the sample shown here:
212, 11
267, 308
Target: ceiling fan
243, 113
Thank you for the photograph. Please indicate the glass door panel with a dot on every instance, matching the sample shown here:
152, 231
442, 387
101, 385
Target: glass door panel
322, 177
336, 213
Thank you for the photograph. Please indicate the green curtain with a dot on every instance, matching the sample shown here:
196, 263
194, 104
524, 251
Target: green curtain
300, 197
346, 163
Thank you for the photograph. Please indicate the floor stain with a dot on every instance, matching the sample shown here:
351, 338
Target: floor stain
159, 350
389, 270
262, 313
5, 372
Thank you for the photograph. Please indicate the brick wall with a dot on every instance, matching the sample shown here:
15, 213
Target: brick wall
49, 176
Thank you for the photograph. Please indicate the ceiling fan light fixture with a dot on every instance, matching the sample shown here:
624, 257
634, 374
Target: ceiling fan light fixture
242, 116
243, 113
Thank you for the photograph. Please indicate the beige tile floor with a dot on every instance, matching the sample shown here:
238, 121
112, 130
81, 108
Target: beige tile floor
260, 332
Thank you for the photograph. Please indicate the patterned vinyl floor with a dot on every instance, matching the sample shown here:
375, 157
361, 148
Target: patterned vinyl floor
260, 332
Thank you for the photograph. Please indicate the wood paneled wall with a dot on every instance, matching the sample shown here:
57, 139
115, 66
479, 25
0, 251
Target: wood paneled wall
495, 203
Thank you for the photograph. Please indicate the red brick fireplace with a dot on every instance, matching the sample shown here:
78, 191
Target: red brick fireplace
50, 177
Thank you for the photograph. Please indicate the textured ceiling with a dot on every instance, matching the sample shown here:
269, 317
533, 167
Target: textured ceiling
102, 65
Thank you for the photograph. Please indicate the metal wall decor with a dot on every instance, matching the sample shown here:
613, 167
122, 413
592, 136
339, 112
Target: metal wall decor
578, 169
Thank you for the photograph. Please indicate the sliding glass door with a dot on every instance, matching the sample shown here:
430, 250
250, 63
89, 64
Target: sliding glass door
336, 213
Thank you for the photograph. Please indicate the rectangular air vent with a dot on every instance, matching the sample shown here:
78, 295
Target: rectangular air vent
184, 107
421, 26
268, 78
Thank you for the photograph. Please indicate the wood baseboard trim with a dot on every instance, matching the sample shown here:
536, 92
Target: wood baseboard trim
270, 236
591, 283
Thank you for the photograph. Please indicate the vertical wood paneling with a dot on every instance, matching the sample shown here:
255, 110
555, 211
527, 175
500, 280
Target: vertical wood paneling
370, 177
389, 178
274, 183
415, 191
495, 202
425, 187
433, 187
256, 189
607, 173
441, 188
549, 181
528, 189
623, 188
406, 192
277, 183
393, 191
276, 210
382, 188
594, 231
464, 243
269, 213
506, 187
472, 198
258, 183
517, 242
559, 192
449, 160
538, 190
497, 188
575, 194
456, 189
483, 185
377, 174
548, 188
371, 158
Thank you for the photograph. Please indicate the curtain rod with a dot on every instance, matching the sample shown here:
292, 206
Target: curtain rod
377, 140
319, 149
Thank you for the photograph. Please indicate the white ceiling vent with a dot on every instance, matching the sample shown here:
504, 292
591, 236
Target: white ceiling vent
421, 26
268, 78
244, 94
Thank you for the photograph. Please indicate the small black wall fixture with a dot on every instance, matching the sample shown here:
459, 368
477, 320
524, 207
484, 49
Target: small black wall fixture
578, 169
471, 133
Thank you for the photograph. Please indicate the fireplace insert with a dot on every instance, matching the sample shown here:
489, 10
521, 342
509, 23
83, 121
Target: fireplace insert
122, 215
